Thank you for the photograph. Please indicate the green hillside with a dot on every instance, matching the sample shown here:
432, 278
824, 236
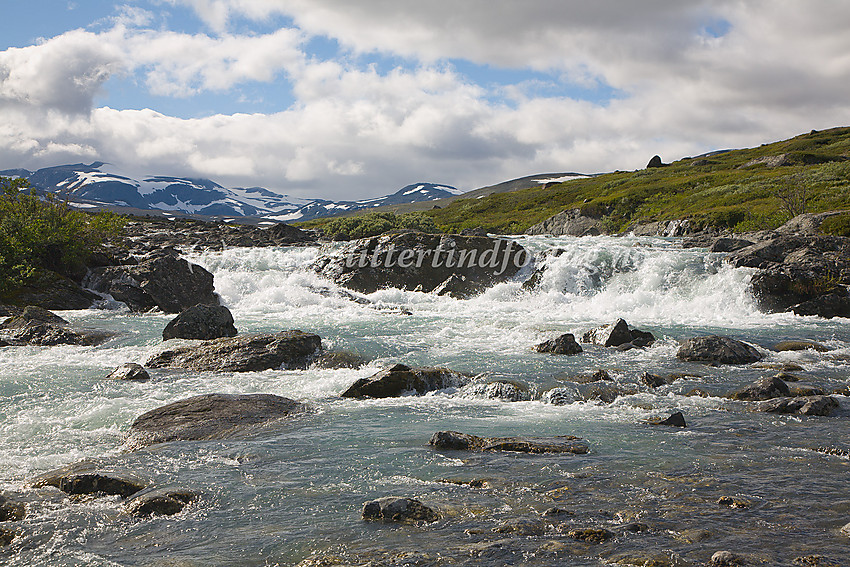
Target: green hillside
746, 189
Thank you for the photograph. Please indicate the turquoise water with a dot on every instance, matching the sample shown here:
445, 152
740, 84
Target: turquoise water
296, 491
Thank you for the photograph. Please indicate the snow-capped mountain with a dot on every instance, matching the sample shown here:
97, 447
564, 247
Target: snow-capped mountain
96, 185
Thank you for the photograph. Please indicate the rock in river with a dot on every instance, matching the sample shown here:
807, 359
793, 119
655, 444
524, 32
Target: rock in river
248, 353
616, 334
159, 502
129, 371
716, 349
418, 261
806, 405
37, 326
764, 389
11, 510
208, 416
201, 321
402, 379
565, 344
86, 477
537, 445
398, 509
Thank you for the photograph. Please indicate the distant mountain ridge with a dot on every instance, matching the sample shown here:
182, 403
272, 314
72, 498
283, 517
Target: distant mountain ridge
95, 185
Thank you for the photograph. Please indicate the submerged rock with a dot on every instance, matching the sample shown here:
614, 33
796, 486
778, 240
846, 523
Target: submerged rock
653, 380
591, 535
565, 344
7, 536
726, 559
460, 266
338, 359
764, 389
208, 416
201, 321
537, 445
40, 327
521, 527
401, 379
617, 334
716, 349
248, 353
160, 502
161, 281
129, 371
497, 390
806, 405
85, 478
783, 346
11, 510
398, 509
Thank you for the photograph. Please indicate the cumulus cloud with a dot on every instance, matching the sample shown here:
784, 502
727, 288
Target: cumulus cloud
690, 77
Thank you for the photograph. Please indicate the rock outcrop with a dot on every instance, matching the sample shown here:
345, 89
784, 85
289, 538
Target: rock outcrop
401, 379
537, 445
201, 321
208, 416
716, 349
459, 266
808, 275
398, 509
568, 223
161, 281
247, 353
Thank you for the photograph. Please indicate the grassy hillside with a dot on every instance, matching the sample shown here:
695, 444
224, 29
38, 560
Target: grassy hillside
747, 189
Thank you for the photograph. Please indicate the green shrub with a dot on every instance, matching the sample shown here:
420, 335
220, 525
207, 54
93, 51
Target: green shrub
373, 224
839, 225
44, 234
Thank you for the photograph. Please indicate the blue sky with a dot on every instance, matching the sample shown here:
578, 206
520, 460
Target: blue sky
336, 99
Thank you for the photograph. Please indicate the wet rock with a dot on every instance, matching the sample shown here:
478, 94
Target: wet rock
338, 359
617, 334
161, 281
160, 502
764, 389
559, 396
832, 451
633, 528
846, 530
598, 376
787, 376
783, 346
674, 420
201, 321
11, 510
397, 509
418, 261
536, 445
208, 416
804, 391
247, 353
591, 535
604, 392
129, 371
698, 392
653, 380
732, 502
7, 536
715, 349
808, 405
401, 379
556, 512
498, 390
54, 291
726, 559
39, 327
564, 344
815, 561
86, 478
521, 527
459, 286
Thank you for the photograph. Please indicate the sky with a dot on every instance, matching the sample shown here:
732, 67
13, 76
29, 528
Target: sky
338, 99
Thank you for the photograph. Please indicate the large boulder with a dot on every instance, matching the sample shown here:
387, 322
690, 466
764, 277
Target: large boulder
460, 266
37, 326
248, 353
568, 223
564, 344
716, 349
616, 334
536, 445
208, 416
87, 477
401, 379
161, 281
764, 389
201, 322
806, 405
808, 275
398, 509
